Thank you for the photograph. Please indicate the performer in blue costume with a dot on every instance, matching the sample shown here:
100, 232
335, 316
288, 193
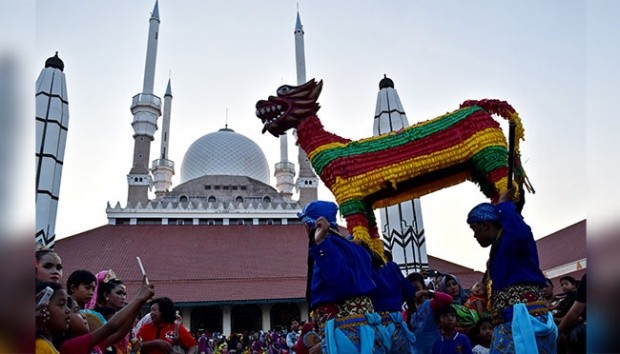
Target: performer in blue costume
388, 298
340, 285
514, 280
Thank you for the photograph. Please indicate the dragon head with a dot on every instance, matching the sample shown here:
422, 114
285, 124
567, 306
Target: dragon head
292, 105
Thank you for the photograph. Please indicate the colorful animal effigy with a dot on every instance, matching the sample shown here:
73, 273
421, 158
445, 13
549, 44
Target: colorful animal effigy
466, 144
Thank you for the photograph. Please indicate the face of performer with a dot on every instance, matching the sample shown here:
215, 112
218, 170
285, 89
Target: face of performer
49, 268
117, 298
484, 233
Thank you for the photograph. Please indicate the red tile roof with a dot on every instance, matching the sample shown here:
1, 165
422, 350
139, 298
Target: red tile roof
563, 246
467, 276
197, 263
208, 263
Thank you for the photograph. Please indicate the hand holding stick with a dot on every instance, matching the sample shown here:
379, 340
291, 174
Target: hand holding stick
146, 280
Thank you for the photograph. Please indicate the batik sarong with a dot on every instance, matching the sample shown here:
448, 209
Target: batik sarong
520, 314
401, 338
503, 339
355, 329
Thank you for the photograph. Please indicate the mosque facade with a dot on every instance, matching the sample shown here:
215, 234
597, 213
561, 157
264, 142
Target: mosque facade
224, 245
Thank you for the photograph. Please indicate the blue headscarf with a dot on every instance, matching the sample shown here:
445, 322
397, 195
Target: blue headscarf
483, 212
313, 210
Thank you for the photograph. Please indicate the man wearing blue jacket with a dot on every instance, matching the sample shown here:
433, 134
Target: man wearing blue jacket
340, 285
514, 280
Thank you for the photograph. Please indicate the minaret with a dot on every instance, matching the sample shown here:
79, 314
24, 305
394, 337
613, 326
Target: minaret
52, 123
307, 183
162, 168
402, 228
146, 108
284, 170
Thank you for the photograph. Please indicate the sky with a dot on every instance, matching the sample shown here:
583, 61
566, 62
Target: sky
548, 59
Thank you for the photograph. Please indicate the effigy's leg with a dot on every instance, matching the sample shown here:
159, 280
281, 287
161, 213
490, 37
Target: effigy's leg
362, 224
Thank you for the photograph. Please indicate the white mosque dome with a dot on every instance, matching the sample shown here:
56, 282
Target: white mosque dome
225, 153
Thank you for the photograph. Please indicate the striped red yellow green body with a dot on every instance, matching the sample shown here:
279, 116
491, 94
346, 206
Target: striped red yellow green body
466, 144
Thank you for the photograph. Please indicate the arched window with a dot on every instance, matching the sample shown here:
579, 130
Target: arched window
183, 199
266, 199
211, 199
239, 199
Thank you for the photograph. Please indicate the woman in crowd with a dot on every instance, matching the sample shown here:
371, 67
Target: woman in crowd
110, 296
48, 266
163, 332
450, 285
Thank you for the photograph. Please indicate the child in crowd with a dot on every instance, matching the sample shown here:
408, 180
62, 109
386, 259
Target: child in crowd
54, 320
420, 314
477, 299
569, 287
81, 286
480, 336
450, 341
65, 330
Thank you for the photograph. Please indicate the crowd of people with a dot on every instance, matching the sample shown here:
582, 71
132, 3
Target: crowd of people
359, 302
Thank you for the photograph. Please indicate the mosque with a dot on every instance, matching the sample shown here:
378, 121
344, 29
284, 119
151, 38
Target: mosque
224, 245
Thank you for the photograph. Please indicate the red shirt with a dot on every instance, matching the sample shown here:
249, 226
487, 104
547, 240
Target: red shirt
79, 345
149, 332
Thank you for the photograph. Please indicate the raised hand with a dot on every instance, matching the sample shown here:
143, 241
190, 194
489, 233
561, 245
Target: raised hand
322, 227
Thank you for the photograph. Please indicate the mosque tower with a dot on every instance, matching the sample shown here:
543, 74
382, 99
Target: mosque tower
307, 182
163, 168
402, 228
146, 108
285, 170
52, 122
